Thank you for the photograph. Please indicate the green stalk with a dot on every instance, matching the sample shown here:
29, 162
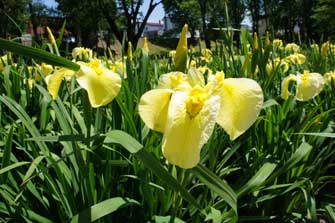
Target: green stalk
38, 54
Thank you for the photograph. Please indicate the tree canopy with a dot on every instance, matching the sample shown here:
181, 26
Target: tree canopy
124, 19
116, 16
13, 16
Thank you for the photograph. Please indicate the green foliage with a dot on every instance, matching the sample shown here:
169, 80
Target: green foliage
13, 17
62, 161
322, 18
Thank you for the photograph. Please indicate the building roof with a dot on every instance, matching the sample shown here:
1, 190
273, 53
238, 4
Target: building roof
154, 24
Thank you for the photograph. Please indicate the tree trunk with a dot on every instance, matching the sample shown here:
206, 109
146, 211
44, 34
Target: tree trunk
203, 9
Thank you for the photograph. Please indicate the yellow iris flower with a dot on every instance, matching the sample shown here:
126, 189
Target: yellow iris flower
296, 58
206, 55
55, 80
308, 85
46, 69
329, 77
267, 39
277, 43
277, 63
102, 85
185, 110
315, 47
172, 53
325, 49
118, 67
3, 62
292, 48
81, 53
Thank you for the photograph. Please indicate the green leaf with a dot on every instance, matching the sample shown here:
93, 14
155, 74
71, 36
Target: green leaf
214, 215
124, 139
13, 166
70, 138
144, 71
151, 162
31, 215
216, 184
32, 168
61, 33
310, 204
330, 209
258, 179
39, 54
156, 167
256, 218
7, 152
299, 154
269, 103
102, 209
166, 219
26, 120
320, 134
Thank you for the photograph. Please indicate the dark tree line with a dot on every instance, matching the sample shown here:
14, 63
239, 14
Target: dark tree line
123, 19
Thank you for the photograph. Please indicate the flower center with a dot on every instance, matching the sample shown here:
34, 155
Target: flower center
305, 77
176, 80
195, 100
95, 64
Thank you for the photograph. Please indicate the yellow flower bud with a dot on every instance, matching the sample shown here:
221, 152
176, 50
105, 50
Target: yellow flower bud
51, 36
180, 59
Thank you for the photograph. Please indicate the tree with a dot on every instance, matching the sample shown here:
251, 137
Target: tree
116, 16
323, 18
306, 21
84, 19
13, 16
37, 10
184, 12
205, 15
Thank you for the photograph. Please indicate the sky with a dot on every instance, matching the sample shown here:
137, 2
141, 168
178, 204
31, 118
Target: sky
156, 15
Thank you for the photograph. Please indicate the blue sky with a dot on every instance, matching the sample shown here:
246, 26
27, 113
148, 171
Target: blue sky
156, 15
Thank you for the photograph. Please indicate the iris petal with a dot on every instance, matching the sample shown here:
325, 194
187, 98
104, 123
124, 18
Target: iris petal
309, 85
174, 81
153, 108
241, 102
195, 77
185, 136
53, 82
101, 88
285, 84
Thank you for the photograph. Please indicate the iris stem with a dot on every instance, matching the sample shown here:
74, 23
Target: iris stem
177, 199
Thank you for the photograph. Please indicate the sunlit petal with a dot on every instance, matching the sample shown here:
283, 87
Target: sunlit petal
185, 136
329, 77
101, 87
195, 77
153, 108
53, 82
46, 69
241, 102
81, 53
285, 84
309, 85
174, 81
